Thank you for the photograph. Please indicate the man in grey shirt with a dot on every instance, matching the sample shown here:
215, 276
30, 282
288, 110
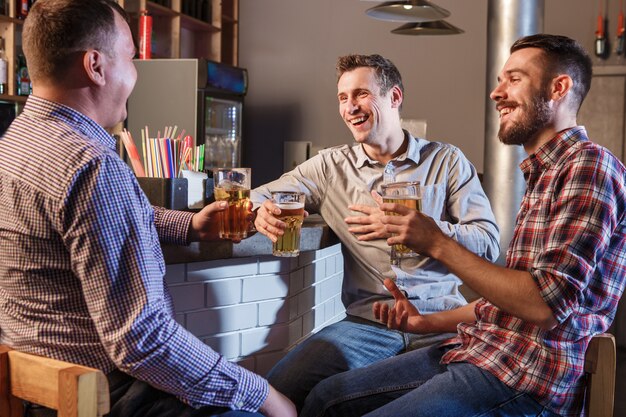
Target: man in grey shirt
341, 185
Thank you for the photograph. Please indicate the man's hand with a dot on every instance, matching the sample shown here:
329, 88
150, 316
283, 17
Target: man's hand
402, 316
205, 223
266, 221
277, 405
369, 226
412, 229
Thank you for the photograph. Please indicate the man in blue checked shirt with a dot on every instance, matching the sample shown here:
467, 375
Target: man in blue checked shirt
81, 267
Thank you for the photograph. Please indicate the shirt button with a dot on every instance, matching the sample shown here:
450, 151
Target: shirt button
239, 404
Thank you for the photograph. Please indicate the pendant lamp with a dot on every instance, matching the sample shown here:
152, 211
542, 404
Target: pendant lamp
439, 27
408, 11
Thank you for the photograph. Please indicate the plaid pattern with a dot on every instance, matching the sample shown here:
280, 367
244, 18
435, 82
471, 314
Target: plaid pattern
81, 267
570, 235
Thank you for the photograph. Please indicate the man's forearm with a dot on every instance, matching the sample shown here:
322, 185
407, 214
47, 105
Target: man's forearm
513, 291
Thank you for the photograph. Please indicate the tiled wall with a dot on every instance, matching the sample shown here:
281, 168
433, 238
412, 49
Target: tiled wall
253, 309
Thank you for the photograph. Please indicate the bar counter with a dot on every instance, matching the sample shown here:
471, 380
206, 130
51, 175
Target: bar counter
250, 306
315, 235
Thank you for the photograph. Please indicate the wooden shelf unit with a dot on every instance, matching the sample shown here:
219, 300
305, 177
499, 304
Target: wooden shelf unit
175, 34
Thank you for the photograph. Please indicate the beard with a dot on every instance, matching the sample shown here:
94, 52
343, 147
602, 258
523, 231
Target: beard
535, 116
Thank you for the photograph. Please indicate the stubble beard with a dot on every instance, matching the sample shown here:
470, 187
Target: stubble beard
536, 115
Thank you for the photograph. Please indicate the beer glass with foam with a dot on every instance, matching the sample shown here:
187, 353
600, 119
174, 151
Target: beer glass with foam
291, 205
408, 194
233, 185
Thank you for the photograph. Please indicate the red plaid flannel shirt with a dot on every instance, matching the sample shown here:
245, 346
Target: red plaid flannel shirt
570, 235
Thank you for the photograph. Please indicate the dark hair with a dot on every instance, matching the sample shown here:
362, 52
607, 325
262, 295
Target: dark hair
386, 72
562, 55
55, 30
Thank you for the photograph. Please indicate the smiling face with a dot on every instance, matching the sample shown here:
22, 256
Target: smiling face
522, 98
367, 113
121, 72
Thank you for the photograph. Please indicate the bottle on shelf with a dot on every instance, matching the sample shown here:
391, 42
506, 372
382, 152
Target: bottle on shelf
22, 8
3, 69
204, 13
24, 86
145, 35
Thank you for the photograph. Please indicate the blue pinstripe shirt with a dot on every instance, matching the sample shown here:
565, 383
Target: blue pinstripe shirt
81, 267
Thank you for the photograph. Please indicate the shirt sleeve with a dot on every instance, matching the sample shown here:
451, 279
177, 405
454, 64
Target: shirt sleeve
109, 229
583, 217
172, 225
472, 222
309, 177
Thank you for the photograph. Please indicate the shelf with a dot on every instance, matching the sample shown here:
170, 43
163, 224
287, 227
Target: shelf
8, 19
159, 10
196, 25
13, 99
609, 70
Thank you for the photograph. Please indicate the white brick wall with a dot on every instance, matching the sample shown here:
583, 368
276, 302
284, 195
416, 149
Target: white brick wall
252, 310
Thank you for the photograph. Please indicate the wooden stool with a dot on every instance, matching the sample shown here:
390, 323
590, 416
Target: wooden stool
600, 363
73, 390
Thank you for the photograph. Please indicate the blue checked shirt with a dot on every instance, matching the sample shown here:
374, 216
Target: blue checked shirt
81, 267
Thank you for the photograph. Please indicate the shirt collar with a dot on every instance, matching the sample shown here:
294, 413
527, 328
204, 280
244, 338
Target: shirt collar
412, 152
40, 107
551, 151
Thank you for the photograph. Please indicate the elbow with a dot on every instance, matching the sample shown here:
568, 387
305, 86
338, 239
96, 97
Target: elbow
492, 250
547, 321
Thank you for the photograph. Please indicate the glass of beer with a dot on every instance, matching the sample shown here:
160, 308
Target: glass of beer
408, 194
291, 205
233, 185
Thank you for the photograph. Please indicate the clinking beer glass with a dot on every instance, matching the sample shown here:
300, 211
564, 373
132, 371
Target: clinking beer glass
291, 205
408, 194
233, 185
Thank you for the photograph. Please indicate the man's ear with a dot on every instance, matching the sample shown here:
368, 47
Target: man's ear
396, 96
561, 85
93, 63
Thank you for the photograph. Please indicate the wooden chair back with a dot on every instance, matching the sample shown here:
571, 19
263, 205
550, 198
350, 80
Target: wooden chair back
600, 363
73, 390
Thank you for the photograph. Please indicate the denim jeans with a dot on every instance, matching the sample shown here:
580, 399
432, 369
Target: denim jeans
415, 384
348, 344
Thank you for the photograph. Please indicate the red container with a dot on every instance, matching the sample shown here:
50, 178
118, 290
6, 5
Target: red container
145, 35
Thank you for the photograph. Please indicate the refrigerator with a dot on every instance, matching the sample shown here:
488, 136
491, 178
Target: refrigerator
205, 98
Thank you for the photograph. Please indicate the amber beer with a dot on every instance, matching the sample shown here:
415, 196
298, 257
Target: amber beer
234, 221
408, 194
291, 205
233, 186
412, 203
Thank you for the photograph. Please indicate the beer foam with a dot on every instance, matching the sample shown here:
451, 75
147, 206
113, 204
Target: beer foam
290, 206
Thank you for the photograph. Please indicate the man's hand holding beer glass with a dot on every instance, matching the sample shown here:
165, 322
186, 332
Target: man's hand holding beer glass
268, 221
410, 228
205, 225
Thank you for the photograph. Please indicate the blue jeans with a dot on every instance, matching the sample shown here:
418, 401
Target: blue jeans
416, 384
348, 344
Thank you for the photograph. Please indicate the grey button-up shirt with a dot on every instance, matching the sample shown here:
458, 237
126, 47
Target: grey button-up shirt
451, 195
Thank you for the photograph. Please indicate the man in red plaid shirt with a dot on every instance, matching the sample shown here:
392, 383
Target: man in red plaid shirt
520, 348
